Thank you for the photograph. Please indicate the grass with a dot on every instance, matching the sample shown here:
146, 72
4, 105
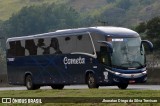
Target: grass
83, 93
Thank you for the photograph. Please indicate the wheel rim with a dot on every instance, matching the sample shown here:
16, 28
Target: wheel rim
29, 82
91, 80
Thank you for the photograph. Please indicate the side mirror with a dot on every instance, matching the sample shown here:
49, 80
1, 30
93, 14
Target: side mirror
108, 44
150, 45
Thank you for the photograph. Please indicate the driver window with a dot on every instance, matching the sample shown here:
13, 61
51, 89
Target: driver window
104, 55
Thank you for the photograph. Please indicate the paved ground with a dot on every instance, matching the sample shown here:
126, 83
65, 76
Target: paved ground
134, 87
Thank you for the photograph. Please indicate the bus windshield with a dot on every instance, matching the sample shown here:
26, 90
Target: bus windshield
127, 53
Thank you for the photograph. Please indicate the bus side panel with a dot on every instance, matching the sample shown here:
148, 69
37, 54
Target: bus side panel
77, 64
48, 70
53, 69
14, 71
45, 70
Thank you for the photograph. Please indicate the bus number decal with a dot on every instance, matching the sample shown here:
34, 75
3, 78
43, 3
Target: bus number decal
10, 59
105, 76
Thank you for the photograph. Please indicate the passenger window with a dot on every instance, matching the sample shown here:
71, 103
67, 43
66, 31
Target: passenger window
67, 44
40, 46
12, 50
20, 51
84, 44
31, 47
54, 46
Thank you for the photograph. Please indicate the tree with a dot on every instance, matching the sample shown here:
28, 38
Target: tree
40, 19
111, 1
124, 4
152, 31
141, 28
153, 28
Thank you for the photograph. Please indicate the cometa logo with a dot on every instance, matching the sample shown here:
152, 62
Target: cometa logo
79, 60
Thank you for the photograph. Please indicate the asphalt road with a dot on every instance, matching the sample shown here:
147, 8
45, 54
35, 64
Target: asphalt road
130, 87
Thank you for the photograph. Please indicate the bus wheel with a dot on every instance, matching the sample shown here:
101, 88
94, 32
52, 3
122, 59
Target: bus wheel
122, 86
57, 86
29, 83
91, 81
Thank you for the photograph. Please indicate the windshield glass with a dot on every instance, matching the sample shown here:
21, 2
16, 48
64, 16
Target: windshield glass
127, 53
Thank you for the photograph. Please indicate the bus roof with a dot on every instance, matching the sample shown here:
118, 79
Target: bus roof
108, 31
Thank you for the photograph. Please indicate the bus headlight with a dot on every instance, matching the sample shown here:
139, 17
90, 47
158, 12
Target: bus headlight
117, 73
144, 72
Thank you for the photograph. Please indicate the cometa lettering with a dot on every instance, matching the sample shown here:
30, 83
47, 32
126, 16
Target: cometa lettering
79, 60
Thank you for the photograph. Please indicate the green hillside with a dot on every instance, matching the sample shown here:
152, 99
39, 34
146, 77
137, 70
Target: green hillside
114, 12
8, 7
121, 12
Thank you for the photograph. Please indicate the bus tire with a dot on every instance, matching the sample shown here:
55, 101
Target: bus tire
58, 86
29, 83
122, 86
91, 81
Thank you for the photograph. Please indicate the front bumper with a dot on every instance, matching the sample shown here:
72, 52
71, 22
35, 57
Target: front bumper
129, 77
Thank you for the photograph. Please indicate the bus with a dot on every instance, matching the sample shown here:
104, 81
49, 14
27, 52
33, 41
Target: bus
96, 56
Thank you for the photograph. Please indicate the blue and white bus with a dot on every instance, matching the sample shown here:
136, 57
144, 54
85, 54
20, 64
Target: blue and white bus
97, 56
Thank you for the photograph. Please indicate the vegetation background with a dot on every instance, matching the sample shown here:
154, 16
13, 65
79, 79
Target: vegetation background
27, 17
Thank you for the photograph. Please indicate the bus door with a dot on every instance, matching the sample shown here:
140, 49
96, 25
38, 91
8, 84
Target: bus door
104, 58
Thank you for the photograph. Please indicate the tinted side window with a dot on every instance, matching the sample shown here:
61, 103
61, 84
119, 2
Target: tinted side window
12, 49
67, 44
31, 47
40, 46
84, 44
54, 46
15, 49
97, 38
47, 46
20, 51
76, 43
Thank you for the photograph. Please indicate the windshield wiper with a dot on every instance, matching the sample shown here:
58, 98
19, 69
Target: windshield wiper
131, 64
119, 67
138, 63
